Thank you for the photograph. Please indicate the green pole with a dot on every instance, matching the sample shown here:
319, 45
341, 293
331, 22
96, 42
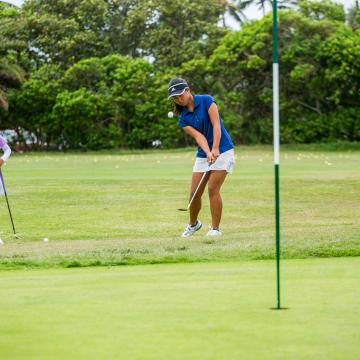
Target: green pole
276, 146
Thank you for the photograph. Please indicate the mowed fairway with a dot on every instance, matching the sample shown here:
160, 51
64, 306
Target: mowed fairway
183, 311
120, 208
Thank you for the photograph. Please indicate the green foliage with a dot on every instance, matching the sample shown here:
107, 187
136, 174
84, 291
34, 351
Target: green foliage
12, 45
241, 66
353, 16
66, 31
339, 56
13, 39
82, 119
97, 103
323, 9
63, 31
319, 77
181, 30
31, 107
343, 124
107, 64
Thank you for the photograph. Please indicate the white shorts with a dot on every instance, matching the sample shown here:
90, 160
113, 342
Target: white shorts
225, 161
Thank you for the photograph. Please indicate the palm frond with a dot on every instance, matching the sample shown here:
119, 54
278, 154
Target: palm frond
11, 75
3, 101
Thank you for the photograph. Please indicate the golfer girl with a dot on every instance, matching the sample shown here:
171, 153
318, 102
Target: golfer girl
6, 150
199, 117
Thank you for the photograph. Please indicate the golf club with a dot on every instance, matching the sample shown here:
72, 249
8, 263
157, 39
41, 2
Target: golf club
7, 201
197, 189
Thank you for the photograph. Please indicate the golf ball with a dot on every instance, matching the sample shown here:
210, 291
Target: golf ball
45, 240
170, 114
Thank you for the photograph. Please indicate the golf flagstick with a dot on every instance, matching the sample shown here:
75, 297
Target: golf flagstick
3, 190
196, 190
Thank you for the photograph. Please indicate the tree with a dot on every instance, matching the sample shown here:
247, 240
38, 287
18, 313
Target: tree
11, 48
63, 32
323, 9
31, 108
97, 103
11, 76
261, 4
117, 100
166, 31
181, 30
354, 16
234, 9
66, 31
319, 76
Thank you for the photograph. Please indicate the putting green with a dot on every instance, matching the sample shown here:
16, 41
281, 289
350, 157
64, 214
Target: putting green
183, 311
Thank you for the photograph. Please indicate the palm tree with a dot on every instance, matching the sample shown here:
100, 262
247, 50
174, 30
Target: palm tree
5, 3
235, 9
354, 16
11, 75
282, 4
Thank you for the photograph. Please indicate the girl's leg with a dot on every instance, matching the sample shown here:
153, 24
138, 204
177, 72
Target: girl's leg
196, 204
216, 179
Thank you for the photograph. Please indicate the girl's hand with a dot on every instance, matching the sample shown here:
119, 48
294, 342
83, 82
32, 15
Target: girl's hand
1, 162
209, 157
215, 153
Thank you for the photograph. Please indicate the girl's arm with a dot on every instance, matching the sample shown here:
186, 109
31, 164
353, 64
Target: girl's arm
215, 121
201, 141
7, 151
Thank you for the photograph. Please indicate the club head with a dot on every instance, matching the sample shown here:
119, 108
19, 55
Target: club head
183, 209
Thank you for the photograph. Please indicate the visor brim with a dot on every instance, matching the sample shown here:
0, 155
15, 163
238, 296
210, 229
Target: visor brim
177, 93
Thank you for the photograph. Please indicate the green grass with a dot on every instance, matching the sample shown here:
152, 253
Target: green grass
183, 311
116, 208
119, 208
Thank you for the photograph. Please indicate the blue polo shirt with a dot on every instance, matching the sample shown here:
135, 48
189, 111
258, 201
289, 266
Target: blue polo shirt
199, 119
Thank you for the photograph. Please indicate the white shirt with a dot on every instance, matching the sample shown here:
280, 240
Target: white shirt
5, 148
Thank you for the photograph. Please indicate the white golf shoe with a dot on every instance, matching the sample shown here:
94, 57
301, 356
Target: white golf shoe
190, 230
213, 232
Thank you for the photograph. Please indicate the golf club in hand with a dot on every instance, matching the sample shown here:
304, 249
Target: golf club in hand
7, 200
197, 189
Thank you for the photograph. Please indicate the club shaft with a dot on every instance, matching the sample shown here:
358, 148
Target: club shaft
7, 202
11, 218
197, 189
